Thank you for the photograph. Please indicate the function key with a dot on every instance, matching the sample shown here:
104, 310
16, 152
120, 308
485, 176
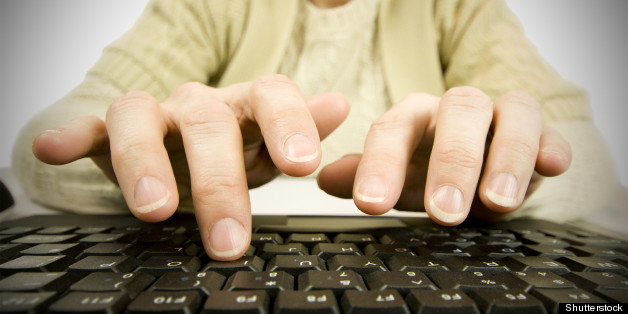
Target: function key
259, 239
165, 302
389, 301
26, 302
335, 280
441, 301
54, 281
272, 282
130, 283
57, 230
359, 239
91, 302
244, 263
495, 301
322, 301
308, 239
551, 298
237, 302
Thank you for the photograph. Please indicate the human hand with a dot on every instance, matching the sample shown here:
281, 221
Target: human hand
430, 153
233, 138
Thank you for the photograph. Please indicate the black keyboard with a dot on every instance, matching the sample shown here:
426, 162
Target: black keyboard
114, 264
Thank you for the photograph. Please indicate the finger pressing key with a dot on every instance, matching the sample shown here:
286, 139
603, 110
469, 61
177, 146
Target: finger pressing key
136, 129
463, 119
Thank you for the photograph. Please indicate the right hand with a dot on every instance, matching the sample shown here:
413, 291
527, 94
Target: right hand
233, 138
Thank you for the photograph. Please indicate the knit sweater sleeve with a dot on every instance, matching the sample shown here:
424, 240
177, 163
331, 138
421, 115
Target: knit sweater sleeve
173, 42
482, 44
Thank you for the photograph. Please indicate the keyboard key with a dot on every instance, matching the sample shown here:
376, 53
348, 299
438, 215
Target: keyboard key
170, 249
130, 283
57, 230
547, 241
327, 250
18, 230
256, 301
92, 230
597, 241
426, 265
402, 238
269, 250
295, 264
33, 263
440, 301
389, 301
551, 298
57, 281
601, 252
42, 238
259, 239
460, 242
502, 251
543, 279
468, 281
511, 301
11, 250
122, 249
535, 263
359, 239
308, 239
592, 264
26, 302
153, 237
203, 282
159, 265
272, 282
114, 264
483, 264
612, 295
322, 301
165, 302
398, 280
360, 264
106, 237
384, 251
67, 249
337, 281
593, 280
550, 252
497, 240
91, 302
445, 251
245, 263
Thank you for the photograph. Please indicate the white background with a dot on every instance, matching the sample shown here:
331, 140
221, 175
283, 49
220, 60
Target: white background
47, 46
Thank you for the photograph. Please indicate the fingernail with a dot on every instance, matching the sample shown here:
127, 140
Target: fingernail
150, 194
447, 204
371, 190
503, 190
227, 237
53, 131
299, 148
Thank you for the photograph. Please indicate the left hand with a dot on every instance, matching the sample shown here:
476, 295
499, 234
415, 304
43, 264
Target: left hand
430, 153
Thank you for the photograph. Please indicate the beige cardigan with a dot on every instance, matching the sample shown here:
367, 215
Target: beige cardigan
426, 46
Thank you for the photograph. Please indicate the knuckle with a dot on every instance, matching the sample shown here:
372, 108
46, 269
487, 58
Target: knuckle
130, 101
207, 188
391, 121
204, 114
523, 99
523, 149
271, 82
189, 90
458, 153
416, 98
467, 97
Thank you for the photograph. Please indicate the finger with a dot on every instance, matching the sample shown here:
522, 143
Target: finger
462, 123
554, 153
390, 142
513, 152
328, 110
136, 130
337, 177
79, 138
213, 147
289, 132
